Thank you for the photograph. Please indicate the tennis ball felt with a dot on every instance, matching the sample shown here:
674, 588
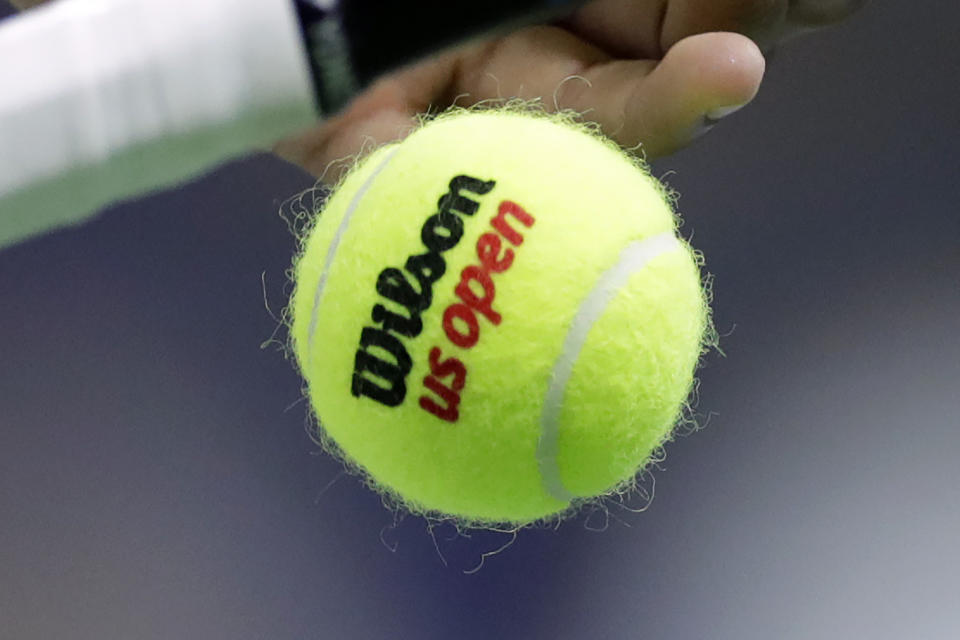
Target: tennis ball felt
495, 317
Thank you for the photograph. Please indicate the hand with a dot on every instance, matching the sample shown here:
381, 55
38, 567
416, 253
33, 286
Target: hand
655, 74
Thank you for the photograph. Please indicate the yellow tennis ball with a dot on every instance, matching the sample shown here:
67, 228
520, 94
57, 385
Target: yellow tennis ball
495, 317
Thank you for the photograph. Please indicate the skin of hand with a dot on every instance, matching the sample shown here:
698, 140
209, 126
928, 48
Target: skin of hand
655, 74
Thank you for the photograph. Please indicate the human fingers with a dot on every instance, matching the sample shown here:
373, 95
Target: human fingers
654, 106
659, 106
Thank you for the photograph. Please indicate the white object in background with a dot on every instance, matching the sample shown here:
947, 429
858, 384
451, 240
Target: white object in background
107, 99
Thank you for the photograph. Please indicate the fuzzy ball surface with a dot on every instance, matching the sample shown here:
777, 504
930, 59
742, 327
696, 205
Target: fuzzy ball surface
496, 318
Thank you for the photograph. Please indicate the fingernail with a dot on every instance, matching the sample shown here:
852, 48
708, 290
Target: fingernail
715, 115
711, 118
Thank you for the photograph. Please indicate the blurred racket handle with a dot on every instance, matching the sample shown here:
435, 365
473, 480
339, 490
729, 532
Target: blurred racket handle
352, 42
102, 100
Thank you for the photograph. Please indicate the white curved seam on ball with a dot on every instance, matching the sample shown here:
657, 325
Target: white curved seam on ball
633, 258
335, 244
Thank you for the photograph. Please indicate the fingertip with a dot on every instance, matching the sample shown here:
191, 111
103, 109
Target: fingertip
720, 70
701, 80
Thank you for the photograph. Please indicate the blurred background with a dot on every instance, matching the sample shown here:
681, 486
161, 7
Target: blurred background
157, 481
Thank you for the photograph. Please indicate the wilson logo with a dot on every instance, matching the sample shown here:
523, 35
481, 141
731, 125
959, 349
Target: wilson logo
382, 361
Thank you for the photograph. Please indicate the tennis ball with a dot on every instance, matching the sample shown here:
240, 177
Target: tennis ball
495, 318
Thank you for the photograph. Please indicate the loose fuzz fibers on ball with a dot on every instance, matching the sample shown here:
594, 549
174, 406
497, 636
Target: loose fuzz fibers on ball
495, 317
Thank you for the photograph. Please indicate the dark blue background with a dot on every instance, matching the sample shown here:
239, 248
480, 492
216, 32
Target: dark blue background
156, 479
